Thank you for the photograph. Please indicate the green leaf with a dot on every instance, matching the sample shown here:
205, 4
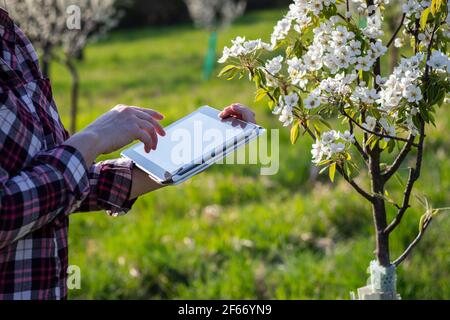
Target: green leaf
332, 172
348, 170
422, 222
399, 180
435, 212
295, 133
227, 69
391, 146
260, 94
317, 129
383, 144
232, 74
435, 6
323, 170
324, 162
277, 93
325, 123
349, 157
424, 18
370, 140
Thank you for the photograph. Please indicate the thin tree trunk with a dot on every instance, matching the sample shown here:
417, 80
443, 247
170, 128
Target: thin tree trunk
393, 57
73, 95
379, 209
46, 59
394, 51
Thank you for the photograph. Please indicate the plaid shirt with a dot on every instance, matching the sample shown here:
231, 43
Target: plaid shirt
41, 180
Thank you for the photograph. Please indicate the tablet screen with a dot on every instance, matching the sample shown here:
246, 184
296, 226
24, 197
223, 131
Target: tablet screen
191, 140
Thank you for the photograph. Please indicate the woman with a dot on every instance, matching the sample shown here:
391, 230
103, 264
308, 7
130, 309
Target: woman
45, 175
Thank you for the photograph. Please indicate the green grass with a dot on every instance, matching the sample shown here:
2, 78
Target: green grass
231, 233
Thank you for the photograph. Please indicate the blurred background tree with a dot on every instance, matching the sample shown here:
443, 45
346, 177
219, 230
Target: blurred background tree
213, 15
155, 12
40, 20
68, 24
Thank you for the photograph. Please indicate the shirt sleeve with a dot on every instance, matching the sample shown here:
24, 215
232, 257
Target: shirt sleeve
55, 182
110, 188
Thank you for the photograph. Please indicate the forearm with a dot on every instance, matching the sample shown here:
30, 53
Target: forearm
142, 184
87, 143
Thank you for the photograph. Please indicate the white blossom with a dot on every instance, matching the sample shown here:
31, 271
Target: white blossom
370, 123
337, 147
413, 93
319, 150
347, 136
281, 30
374, 27
328, 60
330, 137
399, 42
331, 143
402, 84
291, 100
312, 102
439, 61
389, 129
274, 66
285, 108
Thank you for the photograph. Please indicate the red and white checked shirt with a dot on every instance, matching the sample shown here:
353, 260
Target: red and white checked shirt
41, 180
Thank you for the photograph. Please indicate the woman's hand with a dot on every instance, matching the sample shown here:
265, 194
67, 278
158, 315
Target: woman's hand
124, 124
116, 129
238, 111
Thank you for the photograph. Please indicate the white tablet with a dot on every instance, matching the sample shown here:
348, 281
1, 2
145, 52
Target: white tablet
191, 145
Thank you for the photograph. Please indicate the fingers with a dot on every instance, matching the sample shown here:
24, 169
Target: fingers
227, 112
154, 114
145, 116
150, 129
145, 138
244, 112
240, 112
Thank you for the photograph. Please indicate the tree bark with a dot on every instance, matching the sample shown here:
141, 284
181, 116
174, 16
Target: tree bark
75, 88
394, 29
46, 59
393, 57
379, 209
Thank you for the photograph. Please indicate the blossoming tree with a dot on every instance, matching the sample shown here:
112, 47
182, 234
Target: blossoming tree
213, 15
332, 67
69, 24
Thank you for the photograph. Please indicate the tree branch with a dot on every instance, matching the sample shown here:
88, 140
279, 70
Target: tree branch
430, 46
396, 31
357, 145
347, 6
400, 159
360, 190
341, 171
413, 244
414, 175
385, 136
308, 130
405, 205
379, 207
